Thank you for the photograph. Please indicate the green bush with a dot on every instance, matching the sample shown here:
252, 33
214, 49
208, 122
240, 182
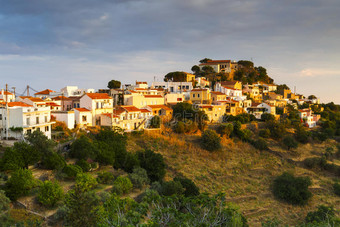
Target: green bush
153, 163
225, 129
324, 216
105, 178
260, 144
155, 122
264, 133
289, 142
210, 140
84, 165
277, 130
301, 135
336, 189
190, 188
20, 183
267, 117
71, 171
85, 182
122, 185
172, 188
50, 193
131, 161
83, 148
139, 177
315, 162
293, 190
52, 161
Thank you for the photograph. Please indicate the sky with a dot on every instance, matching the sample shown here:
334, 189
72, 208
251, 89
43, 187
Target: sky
52, 44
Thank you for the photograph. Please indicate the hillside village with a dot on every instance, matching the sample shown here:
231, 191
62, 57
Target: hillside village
221, 146
212, 88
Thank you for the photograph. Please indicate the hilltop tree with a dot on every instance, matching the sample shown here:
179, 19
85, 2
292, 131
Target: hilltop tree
245, 63
176, 77
114, 84
196, 69
205, 60
312, 97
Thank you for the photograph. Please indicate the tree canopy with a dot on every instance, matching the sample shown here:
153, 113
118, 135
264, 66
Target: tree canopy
114, 84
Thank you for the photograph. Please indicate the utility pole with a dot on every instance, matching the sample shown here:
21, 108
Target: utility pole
7, 113
28, 90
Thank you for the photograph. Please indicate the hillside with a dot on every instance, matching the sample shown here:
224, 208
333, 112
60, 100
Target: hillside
243, 173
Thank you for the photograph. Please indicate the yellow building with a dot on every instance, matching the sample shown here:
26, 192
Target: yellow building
200, 96
218, 96
215, 113
190, 77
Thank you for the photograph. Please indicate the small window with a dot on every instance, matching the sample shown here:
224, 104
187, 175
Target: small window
0, 116
45, 118
84, 118
47, 128
37, 120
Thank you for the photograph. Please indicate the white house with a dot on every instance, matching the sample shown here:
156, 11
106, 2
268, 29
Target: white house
173, 87
75, 91
257, 109
97, 103
65, 116
20, 118
7, 96
307, 116
83, 117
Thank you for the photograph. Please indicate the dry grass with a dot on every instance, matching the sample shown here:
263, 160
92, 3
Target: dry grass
243, 173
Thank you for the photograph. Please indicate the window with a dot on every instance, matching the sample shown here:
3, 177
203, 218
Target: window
78, 105
0, 116
28, 121
187, 87
47, 128
198, 95
84, 118
37, 120
45, 118
193, 95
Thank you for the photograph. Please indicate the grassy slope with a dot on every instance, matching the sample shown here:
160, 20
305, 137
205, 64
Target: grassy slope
243, 173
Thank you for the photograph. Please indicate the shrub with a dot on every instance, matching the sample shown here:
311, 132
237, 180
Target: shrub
190, 188
71, 171
289, 142
244, 134
277, 130
180, 127
172, 188
315, 162
84, 165
85, 181
131, 161
301, 135
83, 148
139, 177
50, 193
122, 185
20, 183
293, 190
267, 117
53, 161
260, 144
264, 133
225, 129
105, 178
4, 202
155, 122
324, 216
153, 163
210, 140
336, 188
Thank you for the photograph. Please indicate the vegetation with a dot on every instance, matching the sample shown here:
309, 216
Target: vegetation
20, 183
113, 84
50, 193
153, 163
122, 185
210, 140
291, 189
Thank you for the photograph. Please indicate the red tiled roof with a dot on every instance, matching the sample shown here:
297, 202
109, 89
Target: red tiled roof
12, 104
61, 98
82, 110
217, 93
52, 104
110, 115
159, 107
141, 89
205, 106
141, 82
153, 96
6, 93
98, 96
131, 108
145, 111
199, 89
119, 111
44, 92
35, 99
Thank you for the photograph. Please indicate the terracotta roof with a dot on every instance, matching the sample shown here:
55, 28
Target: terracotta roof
141, 89
141, 82
217, 93
82, 110
6, 93
22, 104
52, 104
119, 111
205, 106
153, 96
225, 83
35, 99
159, 107
61, 98
133, 91
98, 96
131, 108
110, 115
199, 89
24, 97
44, 92
145, 111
